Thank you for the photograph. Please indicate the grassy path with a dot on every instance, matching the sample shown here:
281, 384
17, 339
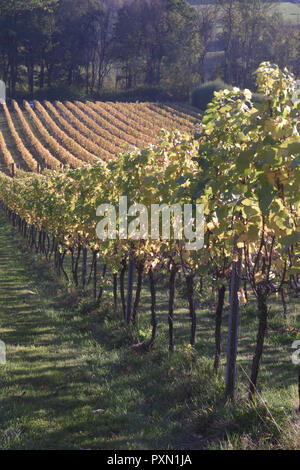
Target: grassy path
43, 379
63, 366
55, 374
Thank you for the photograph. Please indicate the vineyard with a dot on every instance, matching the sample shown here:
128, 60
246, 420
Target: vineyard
61, 161
37, 135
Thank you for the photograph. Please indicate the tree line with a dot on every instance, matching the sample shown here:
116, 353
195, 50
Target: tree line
127, 44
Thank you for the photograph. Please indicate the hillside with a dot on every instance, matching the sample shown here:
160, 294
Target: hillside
40, 135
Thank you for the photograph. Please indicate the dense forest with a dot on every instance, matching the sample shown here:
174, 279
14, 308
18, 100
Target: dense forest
99, 45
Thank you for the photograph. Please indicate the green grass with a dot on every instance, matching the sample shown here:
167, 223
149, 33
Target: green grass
63, 364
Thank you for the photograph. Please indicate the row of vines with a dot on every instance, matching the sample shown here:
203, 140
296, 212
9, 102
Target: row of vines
243, 165
49, 135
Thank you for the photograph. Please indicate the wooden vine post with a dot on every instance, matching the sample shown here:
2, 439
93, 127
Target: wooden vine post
233, 325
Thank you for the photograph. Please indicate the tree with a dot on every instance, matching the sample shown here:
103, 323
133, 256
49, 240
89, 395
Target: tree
163, 45
247, 29
21, 36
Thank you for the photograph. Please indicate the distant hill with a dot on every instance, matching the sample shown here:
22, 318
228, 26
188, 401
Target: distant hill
212, 2
289, 9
